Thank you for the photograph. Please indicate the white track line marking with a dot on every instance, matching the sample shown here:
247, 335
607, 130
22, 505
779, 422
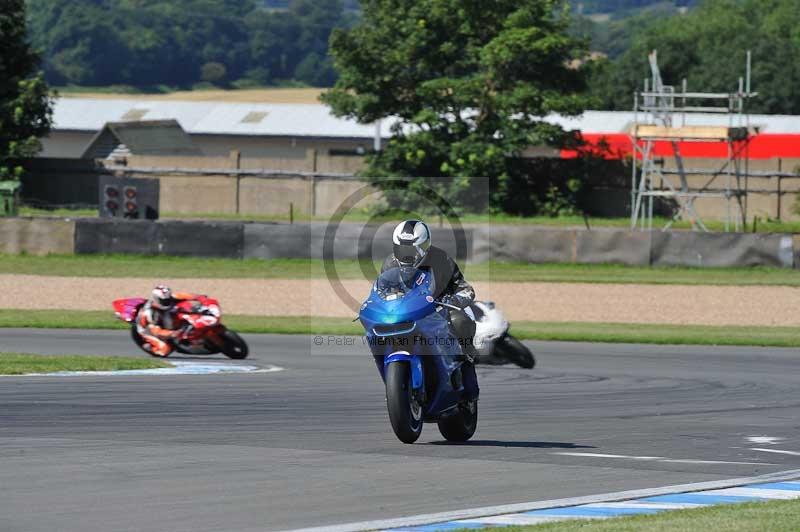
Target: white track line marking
777, 451
690, 461
514, 519
764, 440
646, 505
490, 511
655, 458
600, 455
756, 492
180, 368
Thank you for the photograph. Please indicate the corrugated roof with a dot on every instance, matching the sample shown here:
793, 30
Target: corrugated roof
285, 120
315, 120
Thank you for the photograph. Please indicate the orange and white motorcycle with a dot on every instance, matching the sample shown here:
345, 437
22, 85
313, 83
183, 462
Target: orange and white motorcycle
200, 330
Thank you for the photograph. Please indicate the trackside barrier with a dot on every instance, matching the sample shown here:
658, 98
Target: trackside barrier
361, 241
37, 236
722, 249
41, 236
622, 247
522, 244
195, 239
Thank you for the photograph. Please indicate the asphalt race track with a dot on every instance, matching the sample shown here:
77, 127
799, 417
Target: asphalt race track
312, 445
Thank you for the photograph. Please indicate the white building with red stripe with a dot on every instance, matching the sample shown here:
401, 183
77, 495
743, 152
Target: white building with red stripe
288, 130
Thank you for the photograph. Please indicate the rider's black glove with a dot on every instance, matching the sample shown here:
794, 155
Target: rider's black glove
456, 300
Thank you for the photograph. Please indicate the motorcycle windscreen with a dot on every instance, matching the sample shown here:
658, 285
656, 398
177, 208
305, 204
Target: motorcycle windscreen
126, 308
396, 282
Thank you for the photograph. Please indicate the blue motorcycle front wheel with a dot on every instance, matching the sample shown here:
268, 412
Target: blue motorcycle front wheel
405, 410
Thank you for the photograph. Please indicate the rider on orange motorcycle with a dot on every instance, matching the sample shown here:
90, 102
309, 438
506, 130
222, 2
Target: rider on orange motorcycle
157, 323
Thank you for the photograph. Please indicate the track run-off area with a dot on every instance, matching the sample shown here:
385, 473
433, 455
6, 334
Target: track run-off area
311, 445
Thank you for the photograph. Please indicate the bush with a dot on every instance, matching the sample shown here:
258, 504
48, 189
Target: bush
213, 72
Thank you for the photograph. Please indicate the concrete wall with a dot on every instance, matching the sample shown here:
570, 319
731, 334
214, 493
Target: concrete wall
274, 196
306, 160
41, 236
330, 194
256, 195
768, 197
177, 161
198, 194
195, 186
191, 184
37, 236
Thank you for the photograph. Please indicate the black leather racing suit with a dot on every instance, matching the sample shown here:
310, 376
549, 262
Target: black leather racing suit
451, 287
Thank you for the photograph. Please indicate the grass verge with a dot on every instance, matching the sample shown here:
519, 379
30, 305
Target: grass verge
23, 363
153, 267
637, 333
527, 330
757, 225
775, 516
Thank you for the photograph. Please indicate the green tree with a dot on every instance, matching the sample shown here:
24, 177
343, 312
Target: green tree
469, 80
213, 72
147, 43
707, 46
25, 105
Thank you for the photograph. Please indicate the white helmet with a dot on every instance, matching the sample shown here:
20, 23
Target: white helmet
161, 298
411, 240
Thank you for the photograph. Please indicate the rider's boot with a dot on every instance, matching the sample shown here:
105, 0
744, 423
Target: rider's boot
157, 347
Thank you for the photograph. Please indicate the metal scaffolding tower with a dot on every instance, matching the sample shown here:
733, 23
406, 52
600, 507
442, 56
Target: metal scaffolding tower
662, 115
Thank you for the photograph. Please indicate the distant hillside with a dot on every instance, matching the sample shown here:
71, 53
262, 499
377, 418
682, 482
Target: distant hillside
158, 44
349, 5
610, 33
707, 45
623, 7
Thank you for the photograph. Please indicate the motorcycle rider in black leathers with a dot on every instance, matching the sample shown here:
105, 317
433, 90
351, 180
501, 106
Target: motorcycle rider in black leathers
412, 248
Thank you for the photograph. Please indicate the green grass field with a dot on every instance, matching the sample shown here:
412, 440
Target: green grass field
164, 92
23, 363
776, 516
527, 330
188, 267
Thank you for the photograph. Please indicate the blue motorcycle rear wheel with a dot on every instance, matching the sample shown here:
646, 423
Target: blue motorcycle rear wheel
460, 425
405, 410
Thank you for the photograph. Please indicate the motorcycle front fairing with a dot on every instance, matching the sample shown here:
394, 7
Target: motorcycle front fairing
404, 324
127, 308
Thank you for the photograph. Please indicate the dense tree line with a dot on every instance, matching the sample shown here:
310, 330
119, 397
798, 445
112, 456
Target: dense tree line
707, 46
617, 7
25, 104
178, 43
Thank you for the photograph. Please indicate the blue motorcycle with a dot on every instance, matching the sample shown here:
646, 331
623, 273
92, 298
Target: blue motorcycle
418, 356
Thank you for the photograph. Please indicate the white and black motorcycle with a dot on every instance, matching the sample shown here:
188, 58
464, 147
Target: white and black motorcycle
495, 345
